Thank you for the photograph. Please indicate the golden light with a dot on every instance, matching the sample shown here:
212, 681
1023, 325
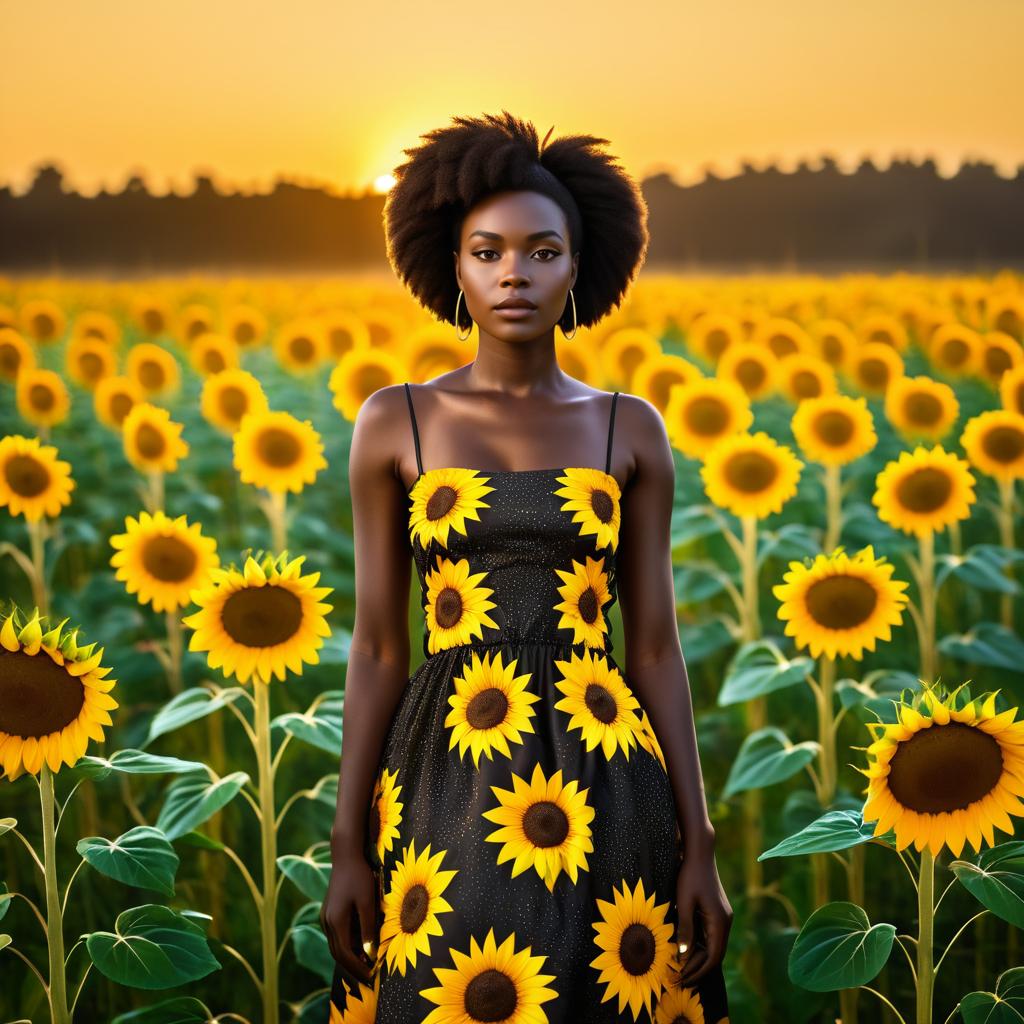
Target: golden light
383, 182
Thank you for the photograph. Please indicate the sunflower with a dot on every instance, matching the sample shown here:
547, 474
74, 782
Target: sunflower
680, 1004
456, 608
163, 559
212, 353
648, 739
594, 497
491, 982
88, 360
782, 337
803, 376
260, 621
360, 1004
711, 335
584, 594
50, 707
750, 474
442, 500
919, 407
753, 367
358, 375
152, 440
385, 813
344, 332
42, 397
97, 325
432, 350
654, 378
490, 706
834, 341
15, 354
245, 326
874, 366
228, 396
841, 605
702, 413
33, 481
834, 429
277, 451
884, 328
153, 368
115, 397
955, 349
626, 348
1011, 389
636, 947
151, 315
999, 352
924, 491
602, 706
545, 826
193, 320
411, 906
300, 346
994, 442
43, 321
950, 776
1006, 314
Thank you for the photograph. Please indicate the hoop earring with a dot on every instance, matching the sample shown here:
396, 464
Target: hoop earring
461, 337
569, 337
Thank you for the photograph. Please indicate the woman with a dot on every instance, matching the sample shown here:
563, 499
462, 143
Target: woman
521, 831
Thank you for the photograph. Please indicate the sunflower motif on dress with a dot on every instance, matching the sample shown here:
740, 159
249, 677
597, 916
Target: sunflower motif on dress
680, 1004
456, 606
593, 497
648, 739
545, 825
636, 947
442, 500
602, 706
385, 813
412, 904
491, 982
584, 594
360, 1006
490, 707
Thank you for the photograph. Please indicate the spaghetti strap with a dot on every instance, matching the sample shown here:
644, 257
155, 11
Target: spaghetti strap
611, 429
415, 430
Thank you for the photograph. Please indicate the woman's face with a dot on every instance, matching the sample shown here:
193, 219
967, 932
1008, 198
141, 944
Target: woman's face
515, 245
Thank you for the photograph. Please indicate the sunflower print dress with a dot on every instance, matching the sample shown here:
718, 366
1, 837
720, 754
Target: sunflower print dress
523, 828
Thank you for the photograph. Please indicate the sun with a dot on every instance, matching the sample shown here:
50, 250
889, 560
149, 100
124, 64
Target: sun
384, 183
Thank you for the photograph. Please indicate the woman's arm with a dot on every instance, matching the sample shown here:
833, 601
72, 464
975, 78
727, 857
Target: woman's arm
654, 665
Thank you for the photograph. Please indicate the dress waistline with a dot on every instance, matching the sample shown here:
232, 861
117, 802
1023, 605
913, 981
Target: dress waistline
522, 641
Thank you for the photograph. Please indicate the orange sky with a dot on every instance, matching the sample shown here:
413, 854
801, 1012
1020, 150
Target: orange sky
333, 91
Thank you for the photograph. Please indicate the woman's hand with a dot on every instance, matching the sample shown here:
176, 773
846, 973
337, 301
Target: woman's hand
699, 894
348, 916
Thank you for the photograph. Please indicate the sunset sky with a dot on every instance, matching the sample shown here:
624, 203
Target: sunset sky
332, 92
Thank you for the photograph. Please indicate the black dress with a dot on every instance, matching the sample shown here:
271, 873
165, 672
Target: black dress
523, 827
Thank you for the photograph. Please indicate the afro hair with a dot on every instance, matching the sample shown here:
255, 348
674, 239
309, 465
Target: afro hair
472, 158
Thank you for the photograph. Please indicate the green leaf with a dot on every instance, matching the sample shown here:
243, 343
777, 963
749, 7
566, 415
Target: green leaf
839, 948
760, 668
134, 762
792, 542
6, 824
875, 689
1004, 1006
996, 880
181, 1010
691, 522
142, 857
5, 940
766, 757
201, 841
981, 567
835, 830
194, 799
319, 728
309, 873
699, 640
189, 706
152, 947
6, 899
312, 951
986, 643
695, 582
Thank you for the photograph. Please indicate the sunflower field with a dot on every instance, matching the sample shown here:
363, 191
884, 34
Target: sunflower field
176, 579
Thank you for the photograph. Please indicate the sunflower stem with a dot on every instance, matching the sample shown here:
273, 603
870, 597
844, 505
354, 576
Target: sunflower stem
925, 936
268, 836
1006, 539
827, 761
156, 491
174, 645
275, 509
833, 504
57, 989
928, 659
39, 594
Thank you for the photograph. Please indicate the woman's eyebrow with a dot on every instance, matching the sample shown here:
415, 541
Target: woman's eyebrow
530, 238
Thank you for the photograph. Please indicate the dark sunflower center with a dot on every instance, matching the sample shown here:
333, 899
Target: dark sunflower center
91, 365
26, 476
491, 996
832, 348
588, 605
955, 352
262, 616
414, 907
213, 360
151, 375
923, 409
602, 504
806, 384
244, 332
601, 703
707, 416
37, 697
841, 602
42, 397
302, 348
834, 428
1010, 322
487, 708
233, 403
152, 321
997, 361
750, 472
751, 374
43, 325
945, 768
168, 559
716, 342
782, 345
10, 359
925, 490
636, 948
120, 405
448, 607
150, 441
370, 379
195, 328
441, 502
874, 373
545, 824
660, 386
1004, 444
279, 448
